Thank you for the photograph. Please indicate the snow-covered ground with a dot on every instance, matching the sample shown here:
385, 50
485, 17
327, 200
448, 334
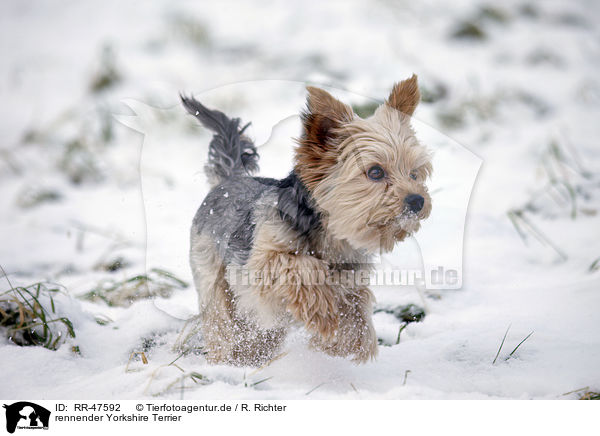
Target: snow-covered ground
81, 187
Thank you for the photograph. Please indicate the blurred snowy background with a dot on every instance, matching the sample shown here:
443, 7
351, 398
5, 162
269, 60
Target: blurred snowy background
514, 82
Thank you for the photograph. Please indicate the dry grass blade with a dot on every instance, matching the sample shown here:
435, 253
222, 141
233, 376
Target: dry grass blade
517, 347
195, 377
177, 358
501, 344
260, 381
512, 215
402, 327
274, 359
133, 355
516, 215
595, 266
571, 195
6, 277
189, 339
576, 390
315, 388
576, 158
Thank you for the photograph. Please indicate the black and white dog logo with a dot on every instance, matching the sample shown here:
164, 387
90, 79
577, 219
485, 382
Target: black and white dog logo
26, 415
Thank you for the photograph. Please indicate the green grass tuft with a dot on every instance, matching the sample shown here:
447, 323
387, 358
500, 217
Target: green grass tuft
590, 395
30, 318
469, 30
107, 75
123, 293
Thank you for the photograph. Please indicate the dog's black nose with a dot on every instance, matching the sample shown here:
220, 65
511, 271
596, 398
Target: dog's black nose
415, 202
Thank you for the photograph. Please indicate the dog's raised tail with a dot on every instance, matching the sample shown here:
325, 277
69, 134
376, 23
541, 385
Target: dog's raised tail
230, 152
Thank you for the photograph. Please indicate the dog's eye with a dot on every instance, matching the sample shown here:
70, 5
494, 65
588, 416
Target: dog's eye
413, 175
376, 173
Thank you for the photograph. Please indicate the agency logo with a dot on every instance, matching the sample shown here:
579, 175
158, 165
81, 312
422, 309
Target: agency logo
26, 415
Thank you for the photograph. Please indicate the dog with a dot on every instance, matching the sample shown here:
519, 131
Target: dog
260, 247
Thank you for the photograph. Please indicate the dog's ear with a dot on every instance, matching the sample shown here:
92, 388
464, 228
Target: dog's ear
405, 96
323, 114
317, 151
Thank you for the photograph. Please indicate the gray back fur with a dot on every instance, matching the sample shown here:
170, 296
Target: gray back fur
229, 214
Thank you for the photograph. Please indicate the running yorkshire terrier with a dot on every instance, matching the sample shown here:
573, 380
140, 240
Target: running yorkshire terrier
357, 188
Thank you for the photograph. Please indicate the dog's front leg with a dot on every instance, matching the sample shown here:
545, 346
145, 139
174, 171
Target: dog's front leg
287, 279
290, 283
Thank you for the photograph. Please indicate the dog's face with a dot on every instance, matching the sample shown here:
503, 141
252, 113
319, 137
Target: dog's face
367, 175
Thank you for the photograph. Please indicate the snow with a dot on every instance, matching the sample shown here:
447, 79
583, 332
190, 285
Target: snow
532, 81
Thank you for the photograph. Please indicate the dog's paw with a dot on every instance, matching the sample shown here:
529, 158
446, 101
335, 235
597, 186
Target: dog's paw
359, 343
318, 308
355, 336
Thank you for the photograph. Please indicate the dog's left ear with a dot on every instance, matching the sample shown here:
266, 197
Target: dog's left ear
405, 96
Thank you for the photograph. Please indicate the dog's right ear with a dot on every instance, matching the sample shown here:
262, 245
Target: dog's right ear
317, 152
324, 113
